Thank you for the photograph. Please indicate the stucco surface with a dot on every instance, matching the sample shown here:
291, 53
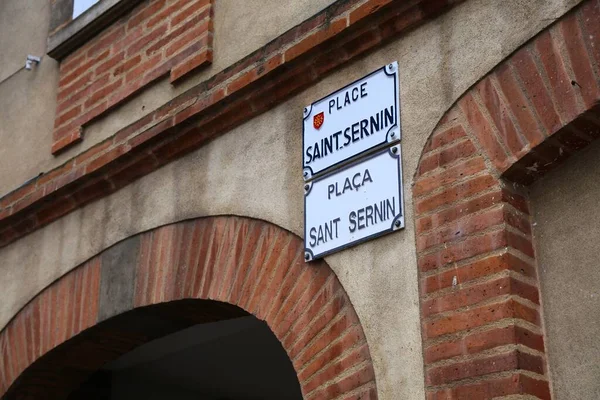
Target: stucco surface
254, 171
27, 98
24, 28
25, 31
567, 235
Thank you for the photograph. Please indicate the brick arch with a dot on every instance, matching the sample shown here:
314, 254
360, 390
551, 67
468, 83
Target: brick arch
145, 287
481, 315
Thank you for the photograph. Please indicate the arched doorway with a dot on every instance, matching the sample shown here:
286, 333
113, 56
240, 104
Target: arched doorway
236, 357
481, 308
178, 277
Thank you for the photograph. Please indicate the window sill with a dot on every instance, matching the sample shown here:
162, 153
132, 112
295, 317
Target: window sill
78, 31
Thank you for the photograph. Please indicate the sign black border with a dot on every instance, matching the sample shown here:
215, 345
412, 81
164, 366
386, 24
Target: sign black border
400, 215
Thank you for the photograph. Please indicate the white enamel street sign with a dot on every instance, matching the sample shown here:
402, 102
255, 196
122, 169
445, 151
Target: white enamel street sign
351, 121
353, 204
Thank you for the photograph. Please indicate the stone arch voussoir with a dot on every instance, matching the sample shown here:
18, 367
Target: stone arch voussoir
233, 263
482, 328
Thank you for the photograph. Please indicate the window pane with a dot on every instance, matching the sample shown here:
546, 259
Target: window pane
81, 5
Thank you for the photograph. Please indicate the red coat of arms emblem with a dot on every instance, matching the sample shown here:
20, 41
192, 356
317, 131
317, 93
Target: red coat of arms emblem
318, 120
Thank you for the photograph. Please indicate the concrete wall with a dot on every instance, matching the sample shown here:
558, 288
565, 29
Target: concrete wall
253, 171
28, 100
567, 235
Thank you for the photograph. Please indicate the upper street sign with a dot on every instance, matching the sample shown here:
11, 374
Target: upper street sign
351, 121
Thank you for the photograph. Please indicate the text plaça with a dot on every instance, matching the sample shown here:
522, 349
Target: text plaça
350, 96
350, 184
352, 133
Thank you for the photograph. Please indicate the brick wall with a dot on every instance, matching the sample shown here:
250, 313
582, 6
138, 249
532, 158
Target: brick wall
482, 317
242, 263
155, 38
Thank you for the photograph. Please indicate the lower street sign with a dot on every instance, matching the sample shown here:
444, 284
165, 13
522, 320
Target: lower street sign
354, 204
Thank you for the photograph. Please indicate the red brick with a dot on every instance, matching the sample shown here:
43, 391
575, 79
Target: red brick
514, 360
91, 114
488, 266
458, 211
482, 129
449, 176
190, 65
28, 200
167, 12
192, 9
143, 68
173, 34
72, 113
457, 192
316, 38
479, 316
590, 15
92, 152
80, 83
17, 194
462, 297
519, 105
127, 65
520, 243
494, 388
481, 341
143, 14
347, 384
470, 247
580, 60
518, 221
366, 9
559, 81
110, 63
150, 133
458, 151
105, 158
145, 40
517, 201
441, 138
536, 90
61, 142
499, 113
198, 34
71, 62
355, 357
106, 39
103, 93
66, 79
461, 228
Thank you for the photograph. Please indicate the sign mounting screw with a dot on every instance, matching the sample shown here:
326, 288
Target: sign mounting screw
305, 174
394, 150
306, 187
306, 256
397, 223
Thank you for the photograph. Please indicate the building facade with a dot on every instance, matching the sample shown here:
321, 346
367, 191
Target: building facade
152, 202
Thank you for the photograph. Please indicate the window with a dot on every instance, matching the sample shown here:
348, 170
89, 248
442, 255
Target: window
80, 6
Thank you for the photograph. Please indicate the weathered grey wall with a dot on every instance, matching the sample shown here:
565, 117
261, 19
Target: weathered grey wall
253, 171
28, 100
567, 235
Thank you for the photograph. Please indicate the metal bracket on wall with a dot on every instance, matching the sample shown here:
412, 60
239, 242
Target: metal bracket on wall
30, 61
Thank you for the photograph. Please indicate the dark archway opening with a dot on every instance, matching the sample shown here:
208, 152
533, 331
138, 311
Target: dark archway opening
186, 349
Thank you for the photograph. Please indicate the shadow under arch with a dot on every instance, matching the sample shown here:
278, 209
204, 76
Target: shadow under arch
145, 287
